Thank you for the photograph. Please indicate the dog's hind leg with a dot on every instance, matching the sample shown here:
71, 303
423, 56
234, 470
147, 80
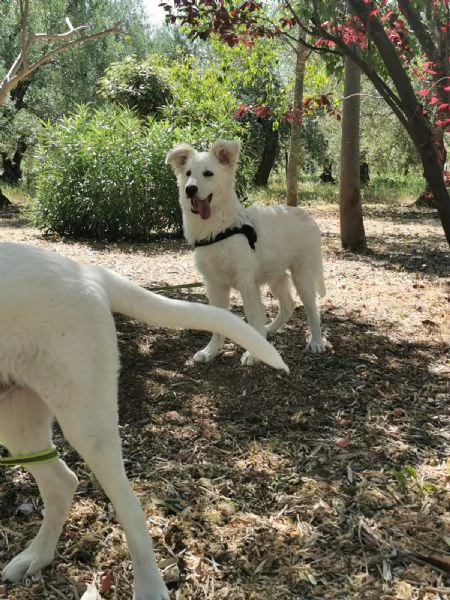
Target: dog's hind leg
25, 428
305, 284
281, 289
218, 295
89, 421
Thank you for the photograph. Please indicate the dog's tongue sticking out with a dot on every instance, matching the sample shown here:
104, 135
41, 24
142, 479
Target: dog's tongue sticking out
203, 208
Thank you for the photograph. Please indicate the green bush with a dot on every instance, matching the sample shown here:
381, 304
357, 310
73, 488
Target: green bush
103, 175
137, 85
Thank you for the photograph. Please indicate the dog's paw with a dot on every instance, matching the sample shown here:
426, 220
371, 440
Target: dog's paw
27, 564
162, 594
316, 347
204, 355
248, 360
152, 588
270, 330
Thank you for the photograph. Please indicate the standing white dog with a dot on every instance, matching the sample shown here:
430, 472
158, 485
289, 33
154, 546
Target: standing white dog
59, 358
242, 248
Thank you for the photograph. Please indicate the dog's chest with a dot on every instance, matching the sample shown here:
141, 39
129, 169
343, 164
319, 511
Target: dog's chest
226, 261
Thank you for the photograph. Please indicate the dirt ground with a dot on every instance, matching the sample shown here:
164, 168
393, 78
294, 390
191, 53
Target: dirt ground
332, 482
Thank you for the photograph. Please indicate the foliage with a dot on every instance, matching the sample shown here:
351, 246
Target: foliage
103, 176
71, 76
136, 85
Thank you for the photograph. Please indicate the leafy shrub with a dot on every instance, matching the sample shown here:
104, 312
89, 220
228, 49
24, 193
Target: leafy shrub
103, 176
136, 85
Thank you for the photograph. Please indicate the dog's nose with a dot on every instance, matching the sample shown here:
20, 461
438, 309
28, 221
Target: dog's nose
191, 191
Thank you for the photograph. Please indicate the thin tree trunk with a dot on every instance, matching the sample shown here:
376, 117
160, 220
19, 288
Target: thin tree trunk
353, 236
269, 155
295, 145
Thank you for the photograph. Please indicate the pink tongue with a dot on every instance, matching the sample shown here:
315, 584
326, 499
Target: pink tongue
203, 208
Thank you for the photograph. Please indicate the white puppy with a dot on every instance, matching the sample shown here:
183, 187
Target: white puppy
242, 248
59, 358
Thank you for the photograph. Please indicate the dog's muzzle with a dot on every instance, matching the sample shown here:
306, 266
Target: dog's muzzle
201, 206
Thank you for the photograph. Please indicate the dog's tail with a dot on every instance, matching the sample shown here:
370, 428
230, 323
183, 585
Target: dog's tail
128, 298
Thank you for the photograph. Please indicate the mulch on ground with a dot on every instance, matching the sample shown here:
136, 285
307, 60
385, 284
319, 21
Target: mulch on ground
332, 482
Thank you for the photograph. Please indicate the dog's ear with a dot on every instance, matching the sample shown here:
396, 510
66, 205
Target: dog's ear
179, 156
227, 153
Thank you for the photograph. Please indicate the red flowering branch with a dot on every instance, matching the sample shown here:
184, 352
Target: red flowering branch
295, 115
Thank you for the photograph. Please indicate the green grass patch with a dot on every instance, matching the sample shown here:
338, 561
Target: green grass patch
386, 190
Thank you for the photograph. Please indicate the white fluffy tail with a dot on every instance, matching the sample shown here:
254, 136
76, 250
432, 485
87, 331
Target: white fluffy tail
130, 299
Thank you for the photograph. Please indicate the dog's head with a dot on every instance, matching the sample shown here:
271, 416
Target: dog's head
204, 175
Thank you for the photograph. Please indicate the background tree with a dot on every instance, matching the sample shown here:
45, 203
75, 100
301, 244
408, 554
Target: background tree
295, 144
352, 227
136, 84
381, 28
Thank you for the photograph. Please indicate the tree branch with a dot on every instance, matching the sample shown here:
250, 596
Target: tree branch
24, 12
419, 29
391, 98
21, 69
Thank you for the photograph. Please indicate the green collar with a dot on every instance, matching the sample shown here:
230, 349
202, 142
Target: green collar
27, 459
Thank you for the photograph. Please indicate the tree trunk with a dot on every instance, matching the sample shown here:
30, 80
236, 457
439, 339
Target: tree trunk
12, 170
269, 155
353, 236
295, 145
4, 201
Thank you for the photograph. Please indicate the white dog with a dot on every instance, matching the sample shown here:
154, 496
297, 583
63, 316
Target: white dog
242, 248
59, 358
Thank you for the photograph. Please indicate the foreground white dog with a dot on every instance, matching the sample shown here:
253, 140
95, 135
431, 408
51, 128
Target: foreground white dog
242, 248
59, 358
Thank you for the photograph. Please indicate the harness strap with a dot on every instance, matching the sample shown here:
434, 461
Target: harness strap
246, 230
38, 457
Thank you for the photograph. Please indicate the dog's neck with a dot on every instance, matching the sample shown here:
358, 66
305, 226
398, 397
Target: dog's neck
225, 214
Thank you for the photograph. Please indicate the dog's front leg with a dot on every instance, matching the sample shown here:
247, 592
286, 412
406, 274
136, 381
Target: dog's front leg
254, 312
218, 295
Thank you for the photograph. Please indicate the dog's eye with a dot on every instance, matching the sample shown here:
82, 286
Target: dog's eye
208, 174
188, 173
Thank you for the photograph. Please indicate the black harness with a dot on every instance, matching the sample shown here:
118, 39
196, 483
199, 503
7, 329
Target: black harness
246, 230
